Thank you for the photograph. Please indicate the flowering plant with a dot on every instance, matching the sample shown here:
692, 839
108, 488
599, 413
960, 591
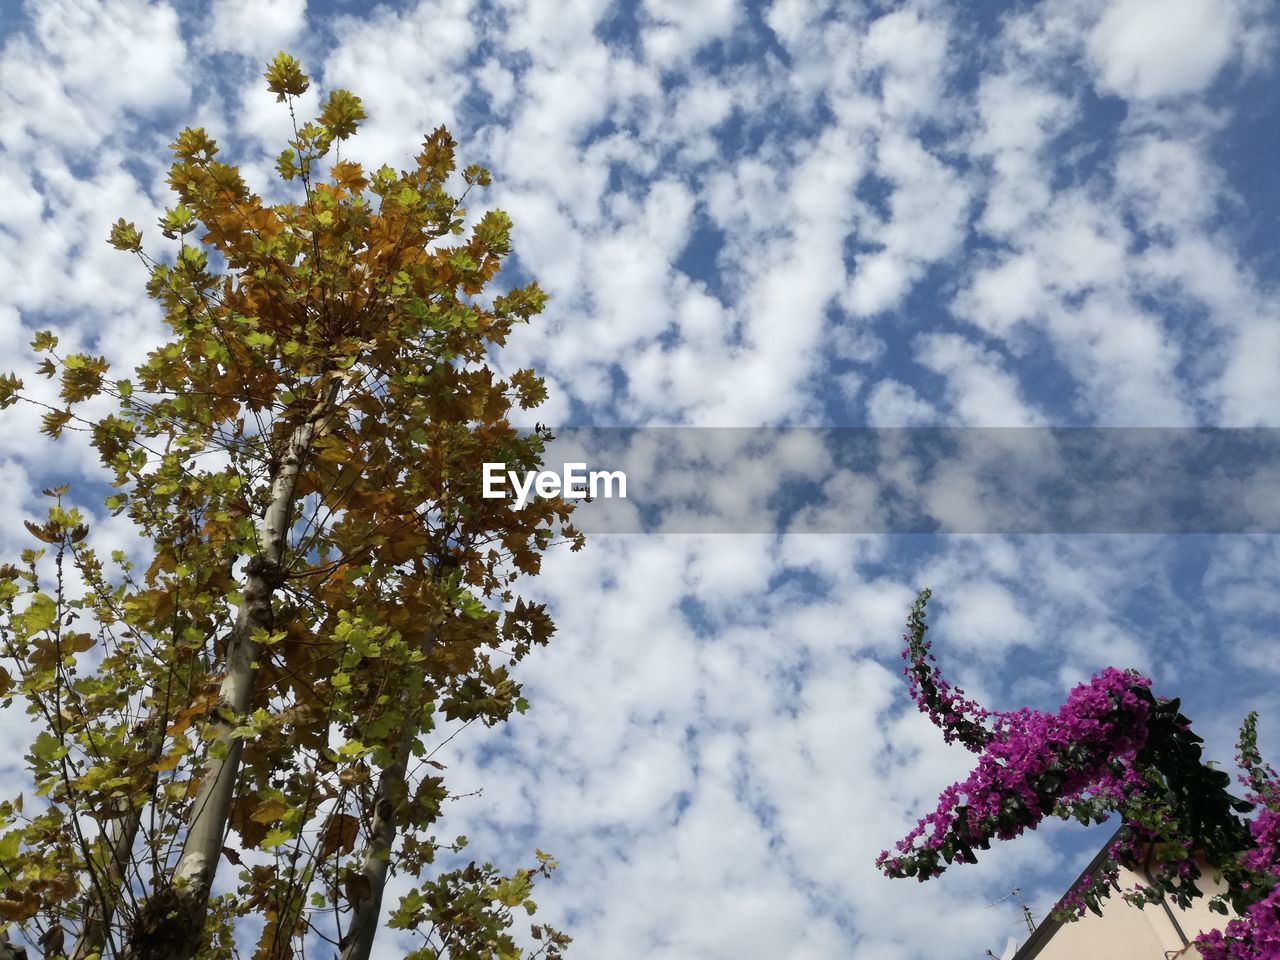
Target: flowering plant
1113, 747
1255, 934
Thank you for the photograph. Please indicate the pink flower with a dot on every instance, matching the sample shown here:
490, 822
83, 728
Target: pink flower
1112, 747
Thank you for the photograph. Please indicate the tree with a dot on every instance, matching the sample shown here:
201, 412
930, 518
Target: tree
1114, 747
325, 586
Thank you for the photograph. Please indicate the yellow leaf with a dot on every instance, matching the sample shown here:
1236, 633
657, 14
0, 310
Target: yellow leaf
269, 811
169, 761
75, 643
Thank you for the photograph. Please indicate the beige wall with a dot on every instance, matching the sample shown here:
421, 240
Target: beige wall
1124, 932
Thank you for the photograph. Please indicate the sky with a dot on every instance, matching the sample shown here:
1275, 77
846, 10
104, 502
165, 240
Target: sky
786, 214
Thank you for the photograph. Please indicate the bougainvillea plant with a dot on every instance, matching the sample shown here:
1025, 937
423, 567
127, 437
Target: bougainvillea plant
1113, 748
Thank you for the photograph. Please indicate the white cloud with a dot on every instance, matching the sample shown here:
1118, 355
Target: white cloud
744, 197
892, 403
1250, 390
63, 83
1001, 295
911, 50
406, 66
791, 19
880, 281
257, 28
26, 205
498, 83
1019, 114
1242, 606
70, 235
1101, 642
1018, 118
675, 29
1170, 182
1162, 48
1126, 361
927, 208
981, 390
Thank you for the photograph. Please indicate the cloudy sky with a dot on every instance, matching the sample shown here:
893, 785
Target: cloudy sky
774, 214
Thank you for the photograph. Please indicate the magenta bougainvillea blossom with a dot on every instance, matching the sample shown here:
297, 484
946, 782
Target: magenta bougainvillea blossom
1112, 748
1030, 762
1033, 762
1255, 934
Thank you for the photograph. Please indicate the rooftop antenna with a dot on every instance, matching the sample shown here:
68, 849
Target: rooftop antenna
1027, 918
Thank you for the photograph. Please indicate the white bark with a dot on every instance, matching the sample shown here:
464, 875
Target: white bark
357, 944
8, 951
100, 905
177, 936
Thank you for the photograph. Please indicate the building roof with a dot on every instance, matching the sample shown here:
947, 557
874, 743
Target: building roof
1045, 931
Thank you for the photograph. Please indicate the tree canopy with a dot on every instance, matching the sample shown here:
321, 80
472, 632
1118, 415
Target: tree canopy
237, 726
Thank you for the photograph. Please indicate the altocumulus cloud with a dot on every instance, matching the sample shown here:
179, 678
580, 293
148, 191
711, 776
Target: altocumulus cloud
795, 212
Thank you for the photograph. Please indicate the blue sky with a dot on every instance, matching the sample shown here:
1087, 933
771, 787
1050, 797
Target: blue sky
791, 213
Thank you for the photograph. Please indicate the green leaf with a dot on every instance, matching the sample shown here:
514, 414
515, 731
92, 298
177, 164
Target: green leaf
513, 891
276, 837
177, 220
285, 77
10, 844
43, 340
342, 113
9, 387
125, 236
46, 748
259, 339
287, 164
41, 614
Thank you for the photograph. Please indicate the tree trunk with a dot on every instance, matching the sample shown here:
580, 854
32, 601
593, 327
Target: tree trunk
8, 951
392, 786
98, 913
171, 924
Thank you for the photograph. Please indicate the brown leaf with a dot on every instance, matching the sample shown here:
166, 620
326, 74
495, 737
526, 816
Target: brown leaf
354, 776
17, 906
340, 832
251, 832
54, 940
62, 886
357, 887
41, 533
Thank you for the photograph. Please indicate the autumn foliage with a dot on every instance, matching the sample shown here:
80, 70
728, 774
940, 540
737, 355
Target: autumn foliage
324, 591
